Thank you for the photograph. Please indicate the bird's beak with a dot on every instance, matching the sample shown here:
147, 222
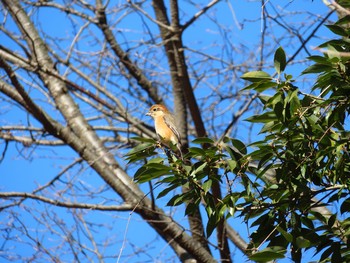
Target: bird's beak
148, 113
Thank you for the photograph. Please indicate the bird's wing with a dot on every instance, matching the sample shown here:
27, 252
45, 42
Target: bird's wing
170, 122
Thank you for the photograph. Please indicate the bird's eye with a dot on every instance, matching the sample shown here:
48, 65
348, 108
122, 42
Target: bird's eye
155, 109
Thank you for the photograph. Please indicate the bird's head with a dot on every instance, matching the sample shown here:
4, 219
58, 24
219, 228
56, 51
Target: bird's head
157, 110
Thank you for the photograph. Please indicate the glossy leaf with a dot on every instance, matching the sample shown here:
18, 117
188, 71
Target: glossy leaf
317, 68
167, 190
338, 30
345, 206
203, 140
302, 242
256, 76
280, 60
151, 171
211, 225
285, 234
240, 146
176, 200
268, 254
263, 118
199, 168
195, 151
207, 185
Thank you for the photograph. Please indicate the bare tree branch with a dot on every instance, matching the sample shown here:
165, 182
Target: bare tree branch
199, 13
135, 71
24, 195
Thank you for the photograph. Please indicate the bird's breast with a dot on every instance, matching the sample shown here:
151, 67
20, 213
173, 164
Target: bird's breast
164, 132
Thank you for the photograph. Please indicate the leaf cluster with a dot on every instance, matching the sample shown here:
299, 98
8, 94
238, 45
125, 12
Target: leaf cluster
307, 146
282, 184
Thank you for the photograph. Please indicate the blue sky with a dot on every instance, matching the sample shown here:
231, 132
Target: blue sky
24, 169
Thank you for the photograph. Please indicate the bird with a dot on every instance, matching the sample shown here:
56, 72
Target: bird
165, 126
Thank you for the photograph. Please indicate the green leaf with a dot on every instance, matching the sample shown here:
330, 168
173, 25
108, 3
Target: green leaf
156, 160
207, 185
345, 206
285, 234
151, 171
278, 97
262, 220
333, 54
307, 222
176, 200
336, 256
211, 225
338, 30
263, 98
195, 151
262, 86
294, 102
190, 208
199, 169
232, 164
302, 242
280, 60
278, 108
240, 146
268, 254
271, 126
317, 68
140, 148
331, 220
273, 186
203, 140
320, 60
256, 76
340, 43
166, 191
343, 20
263, 118
266, 157
326, 254
141, 151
